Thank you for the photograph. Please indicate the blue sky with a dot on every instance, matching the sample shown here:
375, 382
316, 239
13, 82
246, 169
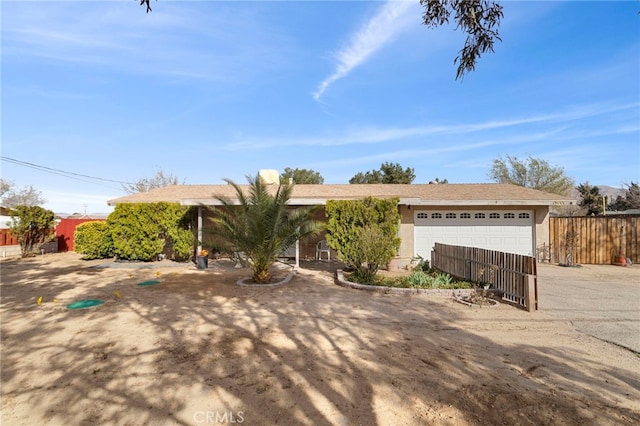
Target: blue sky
209, 90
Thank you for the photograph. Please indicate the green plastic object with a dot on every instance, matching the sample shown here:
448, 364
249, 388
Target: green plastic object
82, 304
148, 283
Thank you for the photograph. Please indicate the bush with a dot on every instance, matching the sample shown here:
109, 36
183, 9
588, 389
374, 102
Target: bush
93, 240
364, 232
420, 279
143, 231
417, 279
442, 281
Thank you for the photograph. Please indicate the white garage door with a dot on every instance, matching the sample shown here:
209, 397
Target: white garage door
509, 231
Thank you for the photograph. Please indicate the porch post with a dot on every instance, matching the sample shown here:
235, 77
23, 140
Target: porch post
297, 254
199, 229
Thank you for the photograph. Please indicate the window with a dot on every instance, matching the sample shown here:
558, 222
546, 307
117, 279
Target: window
451, 216
436, 215
523, 216
422, 216
480, 216
465, 215
509, 216
494, 215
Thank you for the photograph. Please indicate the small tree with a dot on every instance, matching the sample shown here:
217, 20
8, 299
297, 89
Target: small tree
388, 173
301, 176
32, 226
590, 199
364, 232
261, 225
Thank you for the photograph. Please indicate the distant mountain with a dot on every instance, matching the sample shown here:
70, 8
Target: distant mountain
609, 191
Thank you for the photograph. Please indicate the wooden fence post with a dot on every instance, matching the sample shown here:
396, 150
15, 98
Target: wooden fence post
530, 293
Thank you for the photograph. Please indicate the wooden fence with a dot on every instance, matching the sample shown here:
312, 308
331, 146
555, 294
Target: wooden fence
593, 239
513, 275
65, 231
7, 238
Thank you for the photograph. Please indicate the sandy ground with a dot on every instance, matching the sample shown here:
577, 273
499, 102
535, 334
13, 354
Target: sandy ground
198, 349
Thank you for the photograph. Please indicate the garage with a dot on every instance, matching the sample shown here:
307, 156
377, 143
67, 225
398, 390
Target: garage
504, 230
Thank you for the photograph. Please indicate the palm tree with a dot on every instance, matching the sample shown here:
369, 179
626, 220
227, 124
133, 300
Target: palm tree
261, 225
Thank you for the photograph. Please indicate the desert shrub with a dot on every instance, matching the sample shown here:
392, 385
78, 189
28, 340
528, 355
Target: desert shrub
442, 281
420, 279
417, 279
143, 231
364, 232
93, 240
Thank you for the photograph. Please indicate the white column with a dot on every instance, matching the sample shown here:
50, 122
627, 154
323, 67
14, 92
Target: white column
297, 254
199, 229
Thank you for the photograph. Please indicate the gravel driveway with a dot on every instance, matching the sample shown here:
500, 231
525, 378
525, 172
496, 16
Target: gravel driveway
600, 300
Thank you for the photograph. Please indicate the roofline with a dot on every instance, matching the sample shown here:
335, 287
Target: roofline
403, 201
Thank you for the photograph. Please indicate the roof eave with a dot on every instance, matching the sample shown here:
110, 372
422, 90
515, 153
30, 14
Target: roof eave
487, 202
403, 201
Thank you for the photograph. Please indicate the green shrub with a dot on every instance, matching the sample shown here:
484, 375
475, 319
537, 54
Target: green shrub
364, 232
442, 281
93, 240
417, 279
420, 279
143, 231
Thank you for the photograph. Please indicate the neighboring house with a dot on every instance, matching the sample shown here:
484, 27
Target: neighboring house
494, 216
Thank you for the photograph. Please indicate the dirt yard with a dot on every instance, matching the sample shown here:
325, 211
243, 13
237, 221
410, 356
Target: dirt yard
197, 349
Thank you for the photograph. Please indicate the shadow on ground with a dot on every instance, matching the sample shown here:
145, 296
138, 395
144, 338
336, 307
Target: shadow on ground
198, 347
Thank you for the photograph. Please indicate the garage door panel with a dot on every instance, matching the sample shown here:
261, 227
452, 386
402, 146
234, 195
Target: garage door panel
511, 232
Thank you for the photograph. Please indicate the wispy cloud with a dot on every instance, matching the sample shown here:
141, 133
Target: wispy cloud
172, 41
394, 134
391, 18
396, 155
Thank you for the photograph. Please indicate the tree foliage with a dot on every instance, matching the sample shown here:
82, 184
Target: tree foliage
143, 231
13, 196
479, 19
147, 4
531, 173
438, 180
32, 226
388, 173
301, 176
93, 240
159, 180
260, 224
5, 186
590, 199
630, 199
364, 232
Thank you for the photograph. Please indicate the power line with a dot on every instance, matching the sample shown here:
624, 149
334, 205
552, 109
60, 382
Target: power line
70, 175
